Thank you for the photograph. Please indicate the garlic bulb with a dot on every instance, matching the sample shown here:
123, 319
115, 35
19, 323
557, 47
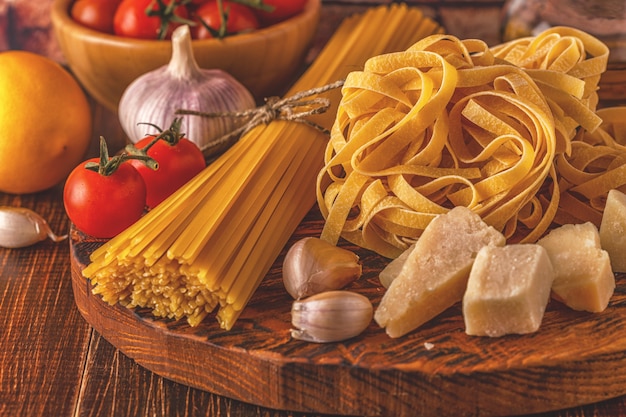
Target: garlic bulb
331, 316
20, 227
155, 96
313, 265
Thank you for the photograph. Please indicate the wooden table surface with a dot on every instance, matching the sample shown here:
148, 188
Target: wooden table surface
54, 364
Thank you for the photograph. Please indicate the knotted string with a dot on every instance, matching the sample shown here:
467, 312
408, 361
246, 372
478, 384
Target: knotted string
275, 108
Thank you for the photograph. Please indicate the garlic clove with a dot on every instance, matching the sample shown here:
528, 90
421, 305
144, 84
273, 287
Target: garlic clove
21, 227
331, 316
313, 265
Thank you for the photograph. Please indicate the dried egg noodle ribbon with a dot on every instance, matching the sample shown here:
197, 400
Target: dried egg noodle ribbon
555, 59
450, 122
596, 165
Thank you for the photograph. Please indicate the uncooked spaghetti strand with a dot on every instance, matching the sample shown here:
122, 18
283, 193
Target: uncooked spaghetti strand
217, 256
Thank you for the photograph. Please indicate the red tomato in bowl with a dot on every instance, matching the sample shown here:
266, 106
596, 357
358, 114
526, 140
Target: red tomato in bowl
283, 9
239, 18
131, 19
178, 158
95, 14
104, 205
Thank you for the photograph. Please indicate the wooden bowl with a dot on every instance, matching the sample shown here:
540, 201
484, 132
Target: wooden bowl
265, 61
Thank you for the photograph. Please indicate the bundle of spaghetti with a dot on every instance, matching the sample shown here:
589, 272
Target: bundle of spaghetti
210, 244
449, 122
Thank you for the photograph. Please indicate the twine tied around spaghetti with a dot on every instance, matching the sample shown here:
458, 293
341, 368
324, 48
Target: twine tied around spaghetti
275, 108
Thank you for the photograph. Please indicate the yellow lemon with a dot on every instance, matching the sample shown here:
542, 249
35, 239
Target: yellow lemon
45, 122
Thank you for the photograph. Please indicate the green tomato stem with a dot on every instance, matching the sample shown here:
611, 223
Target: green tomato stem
106, 166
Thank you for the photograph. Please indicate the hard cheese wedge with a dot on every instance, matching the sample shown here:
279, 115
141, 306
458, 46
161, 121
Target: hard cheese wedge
434, 275
613, 229
508, 290
584, 279
393, 268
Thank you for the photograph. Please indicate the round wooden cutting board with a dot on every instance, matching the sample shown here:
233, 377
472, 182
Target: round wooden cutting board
437, 370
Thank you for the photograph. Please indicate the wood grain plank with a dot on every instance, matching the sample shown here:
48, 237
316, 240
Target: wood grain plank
575, 359
42, 335
116, 386
37, 350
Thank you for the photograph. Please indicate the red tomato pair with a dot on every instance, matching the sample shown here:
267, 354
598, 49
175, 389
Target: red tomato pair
148, 19
156, 19
237, 16
105, 195
144, 19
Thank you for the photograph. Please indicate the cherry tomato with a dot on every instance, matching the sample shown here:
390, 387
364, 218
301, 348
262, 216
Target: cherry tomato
239, 18
178, 158
95, 14
283, 9
104, 203
131, 19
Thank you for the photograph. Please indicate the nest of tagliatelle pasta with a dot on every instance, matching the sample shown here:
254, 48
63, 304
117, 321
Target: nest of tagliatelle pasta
512, 132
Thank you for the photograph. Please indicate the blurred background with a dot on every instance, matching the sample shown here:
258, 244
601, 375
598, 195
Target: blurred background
25, 24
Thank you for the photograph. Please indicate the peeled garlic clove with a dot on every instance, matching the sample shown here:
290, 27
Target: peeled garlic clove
20, 227
330, 316
313, 265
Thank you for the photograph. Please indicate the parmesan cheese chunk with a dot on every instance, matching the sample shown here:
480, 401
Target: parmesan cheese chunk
434, 275
613, 229
508, 290
584, 279
393, 268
